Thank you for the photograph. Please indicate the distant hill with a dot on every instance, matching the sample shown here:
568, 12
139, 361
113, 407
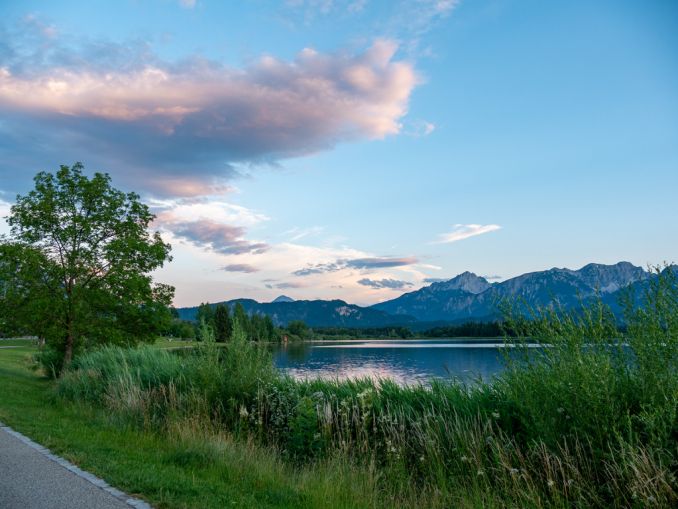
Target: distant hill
466, 297
316, 313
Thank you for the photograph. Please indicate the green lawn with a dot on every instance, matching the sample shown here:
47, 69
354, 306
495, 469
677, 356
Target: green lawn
17, 342
175, 343
168, 472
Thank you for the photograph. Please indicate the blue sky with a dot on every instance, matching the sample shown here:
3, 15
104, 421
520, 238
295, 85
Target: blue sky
357, 149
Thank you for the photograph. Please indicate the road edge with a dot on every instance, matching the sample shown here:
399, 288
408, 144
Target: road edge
91, 478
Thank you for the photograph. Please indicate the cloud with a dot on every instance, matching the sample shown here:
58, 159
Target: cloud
188, 4
411, 21
211, 224
285, 286
320, 268
240, 267
218, 237
394, 284
465, 231
356, 263
420, 128
218, 210
181, 128
492, 277
306, 11
296, 234
434, 279
380, 262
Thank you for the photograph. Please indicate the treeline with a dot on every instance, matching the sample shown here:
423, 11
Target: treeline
362, 332
219, 320
467, 330
464, 330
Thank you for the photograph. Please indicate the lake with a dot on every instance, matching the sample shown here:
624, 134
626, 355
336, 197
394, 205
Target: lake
405, 361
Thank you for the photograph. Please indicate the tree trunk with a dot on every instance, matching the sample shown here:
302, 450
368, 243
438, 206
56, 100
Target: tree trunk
68, 347
68, 350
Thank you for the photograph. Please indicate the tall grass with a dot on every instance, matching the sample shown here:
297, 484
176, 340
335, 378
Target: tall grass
591, 419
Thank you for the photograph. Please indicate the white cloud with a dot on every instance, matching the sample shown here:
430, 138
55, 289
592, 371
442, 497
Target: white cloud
419, 128
295, 234
208, 209
465, 231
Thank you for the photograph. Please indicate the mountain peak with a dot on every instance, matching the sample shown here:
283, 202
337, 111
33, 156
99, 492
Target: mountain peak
466, 281
610, 278
283, 298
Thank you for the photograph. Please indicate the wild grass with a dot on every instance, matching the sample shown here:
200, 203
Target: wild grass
589, 420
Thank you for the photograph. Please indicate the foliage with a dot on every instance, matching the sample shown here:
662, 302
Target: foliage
187, 465
588, 419
468, 329
87, 253
222, 323
205, 314
298, 328
182, 329
362, 332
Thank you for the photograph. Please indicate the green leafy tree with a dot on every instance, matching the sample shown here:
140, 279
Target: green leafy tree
257, 326
243, 320
298, 328
25, 278
86, 253
205, 313
222, 323
269, 328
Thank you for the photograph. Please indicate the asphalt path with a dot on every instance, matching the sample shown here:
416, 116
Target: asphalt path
33, 478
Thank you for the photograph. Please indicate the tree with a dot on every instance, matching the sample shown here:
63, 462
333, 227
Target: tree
269, 328
205, 314
240, 315
222, 323
87, 254
24, 278
298, 328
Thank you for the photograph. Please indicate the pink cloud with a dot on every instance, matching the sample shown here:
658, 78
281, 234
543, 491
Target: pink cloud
221, 238
190, 122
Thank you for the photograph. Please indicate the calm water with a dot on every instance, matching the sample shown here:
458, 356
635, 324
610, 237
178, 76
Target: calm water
405, 361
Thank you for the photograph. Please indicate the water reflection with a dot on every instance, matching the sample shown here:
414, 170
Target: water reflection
404, 361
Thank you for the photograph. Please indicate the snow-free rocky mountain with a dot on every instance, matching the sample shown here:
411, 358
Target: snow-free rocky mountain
463, 298
282, 298
470, 297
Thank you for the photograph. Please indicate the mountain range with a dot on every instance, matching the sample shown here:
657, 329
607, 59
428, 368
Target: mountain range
466, 297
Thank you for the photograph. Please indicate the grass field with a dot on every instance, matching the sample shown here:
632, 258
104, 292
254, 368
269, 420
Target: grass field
173, 472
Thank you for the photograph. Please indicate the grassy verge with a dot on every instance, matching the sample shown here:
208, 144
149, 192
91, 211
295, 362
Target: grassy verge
187, 466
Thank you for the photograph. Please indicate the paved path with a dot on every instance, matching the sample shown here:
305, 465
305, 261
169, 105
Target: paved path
33, 478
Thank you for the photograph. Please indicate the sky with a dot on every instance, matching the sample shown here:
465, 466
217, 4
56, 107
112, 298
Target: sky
356, 149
